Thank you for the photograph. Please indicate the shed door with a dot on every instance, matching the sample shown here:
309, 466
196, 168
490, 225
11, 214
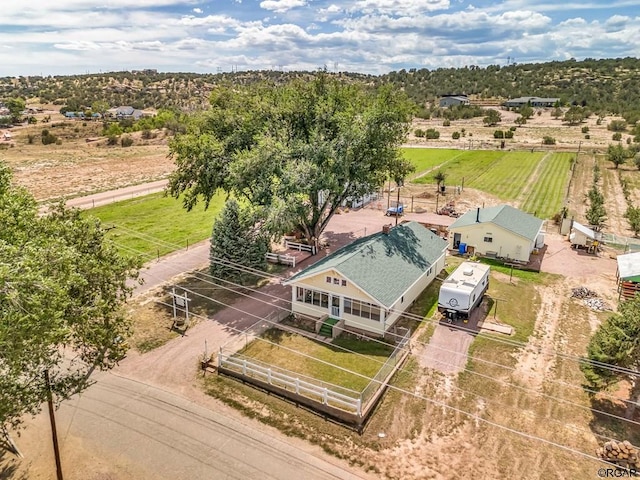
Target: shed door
456, 239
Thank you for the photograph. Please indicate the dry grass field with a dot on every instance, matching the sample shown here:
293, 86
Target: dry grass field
77, 166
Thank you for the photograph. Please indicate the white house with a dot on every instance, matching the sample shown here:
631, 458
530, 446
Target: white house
370, 282
501, 231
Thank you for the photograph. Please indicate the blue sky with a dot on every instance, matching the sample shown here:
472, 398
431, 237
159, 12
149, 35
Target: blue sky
369, 36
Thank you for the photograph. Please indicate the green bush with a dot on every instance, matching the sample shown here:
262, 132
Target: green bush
446, 123
126, 141
585, 129
547, 140
419, 133
498, 134
112, 140
617, 126
455, 135
587, 136
432, 134
617, 136
30, 139
508, 134
48, 138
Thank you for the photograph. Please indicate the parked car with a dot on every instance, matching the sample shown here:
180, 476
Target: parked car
395, 211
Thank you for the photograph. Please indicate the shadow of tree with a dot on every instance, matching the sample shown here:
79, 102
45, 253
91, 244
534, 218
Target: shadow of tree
606, 423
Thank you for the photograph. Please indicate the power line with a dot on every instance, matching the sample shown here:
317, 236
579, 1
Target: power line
420, 319
488, 377
415, 395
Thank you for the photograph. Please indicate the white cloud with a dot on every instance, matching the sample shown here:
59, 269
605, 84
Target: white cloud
281, 6
197, 10
400, 7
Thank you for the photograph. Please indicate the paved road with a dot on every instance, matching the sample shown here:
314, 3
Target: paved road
149, 433
104, 198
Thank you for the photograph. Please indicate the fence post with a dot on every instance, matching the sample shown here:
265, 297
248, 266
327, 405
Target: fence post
269, 375
297, 386
325, 396
411, 203
244, 367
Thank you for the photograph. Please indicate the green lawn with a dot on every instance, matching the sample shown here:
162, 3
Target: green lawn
280, 353
425, 159
546, 197
538, 181
156, 225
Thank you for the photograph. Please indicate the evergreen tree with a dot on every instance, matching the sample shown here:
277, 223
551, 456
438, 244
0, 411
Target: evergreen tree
616, 343
236, 241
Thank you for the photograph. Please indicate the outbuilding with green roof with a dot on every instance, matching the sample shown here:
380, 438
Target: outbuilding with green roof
367, 284
501, 231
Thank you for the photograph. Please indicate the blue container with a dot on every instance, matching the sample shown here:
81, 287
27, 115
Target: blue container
462, 248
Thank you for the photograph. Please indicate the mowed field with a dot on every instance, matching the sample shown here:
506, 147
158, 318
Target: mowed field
533, 181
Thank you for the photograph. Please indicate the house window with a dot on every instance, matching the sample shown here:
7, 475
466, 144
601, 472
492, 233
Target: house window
488, 239
344, 283
336, 281
327, 279
402, 299
362, 309
347, 305
312, 297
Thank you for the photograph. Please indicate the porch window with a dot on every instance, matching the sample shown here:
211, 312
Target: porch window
324, 300
299, 294
488, 239
362, 309
347, 305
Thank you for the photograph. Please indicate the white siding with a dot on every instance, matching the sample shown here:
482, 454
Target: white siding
504, 243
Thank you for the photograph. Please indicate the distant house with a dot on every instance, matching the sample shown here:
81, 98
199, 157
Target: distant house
501, 231
453, 100
532, 101
368, 284
628, 275
126, 112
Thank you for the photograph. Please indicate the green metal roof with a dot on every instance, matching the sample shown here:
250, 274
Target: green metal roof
383, 265
505, 216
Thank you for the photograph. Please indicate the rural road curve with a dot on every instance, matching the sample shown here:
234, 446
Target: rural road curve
149, 433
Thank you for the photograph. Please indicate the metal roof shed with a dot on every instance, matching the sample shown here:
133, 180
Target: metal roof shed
629, 274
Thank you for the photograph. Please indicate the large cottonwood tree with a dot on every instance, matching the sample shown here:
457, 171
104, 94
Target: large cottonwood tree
62, 286
295, 152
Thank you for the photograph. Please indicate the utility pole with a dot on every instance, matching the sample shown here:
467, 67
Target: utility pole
400, 184
54, 432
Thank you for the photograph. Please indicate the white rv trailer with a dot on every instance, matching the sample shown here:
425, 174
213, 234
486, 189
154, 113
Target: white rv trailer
463, 290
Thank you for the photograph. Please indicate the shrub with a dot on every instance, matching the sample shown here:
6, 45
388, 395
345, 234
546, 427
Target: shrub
455, 135
126, 141
508, 134
585, 129
147, 134
547, 140
587, 136
617, 126
599, 121
498, 134
512, 128
30, 139
419, 133
48, 138
446, 123
58, 141
432, 134
112, 140
617, 136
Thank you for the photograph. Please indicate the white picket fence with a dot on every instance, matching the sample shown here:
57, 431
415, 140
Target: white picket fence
323, 392
301, 247
283, 259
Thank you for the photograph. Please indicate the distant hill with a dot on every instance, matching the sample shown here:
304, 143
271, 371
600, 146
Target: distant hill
607, 86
